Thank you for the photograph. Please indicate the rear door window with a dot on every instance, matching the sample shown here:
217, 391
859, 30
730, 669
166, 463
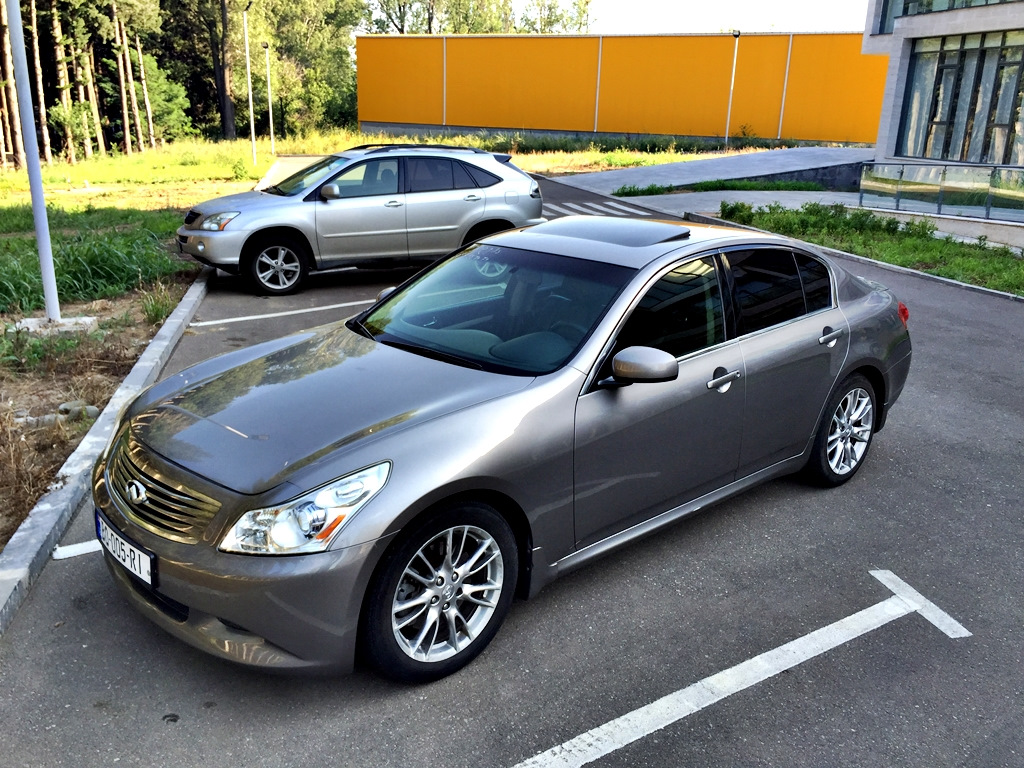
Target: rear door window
429, 174
766, 288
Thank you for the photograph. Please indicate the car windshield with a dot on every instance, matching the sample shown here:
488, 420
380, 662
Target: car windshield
309, 176
501, 309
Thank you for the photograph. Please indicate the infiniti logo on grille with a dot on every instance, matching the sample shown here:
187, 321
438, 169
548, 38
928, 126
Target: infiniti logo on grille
136, 492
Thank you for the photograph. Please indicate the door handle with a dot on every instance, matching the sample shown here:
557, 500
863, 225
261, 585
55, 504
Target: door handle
472, 198
723, 379
829, 337
393, 204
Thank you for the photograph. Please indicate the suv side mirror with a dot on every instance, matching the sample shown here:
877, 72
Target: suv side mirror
385, 292
635, 365
330, 192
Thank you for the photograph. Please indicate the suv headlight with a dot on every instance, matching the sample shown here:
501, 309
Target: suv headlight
308, 523
218, 221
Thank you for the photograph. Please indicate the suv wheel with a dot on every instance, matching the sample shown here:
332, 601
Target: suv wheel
278, 265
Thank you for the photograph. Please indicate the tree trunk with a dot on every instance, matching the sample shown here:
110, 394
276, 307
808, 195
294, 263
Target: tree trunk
63, 83
145, 94
227, 104
126, 126
90, 89
140, 139
16, 142
76, 60
44, 130
3, 129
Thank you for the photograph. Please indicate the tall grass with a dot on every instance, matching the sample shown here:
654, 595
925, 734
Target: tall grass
88, 266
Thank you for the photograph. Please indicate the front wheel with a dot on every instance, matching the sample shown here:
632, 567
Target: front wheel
278, 266
441, 596
845, 434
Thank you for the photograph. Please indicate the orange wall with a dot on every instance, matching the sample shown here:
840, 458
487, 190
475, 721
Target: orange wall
662, 84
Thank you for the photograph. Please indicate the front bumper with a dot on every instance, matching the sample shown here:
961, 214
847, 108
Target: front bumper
221, 249
271, 612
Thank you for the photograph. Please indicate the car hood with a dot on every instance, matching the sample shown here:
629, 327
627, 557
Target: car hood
243, 201
249, 427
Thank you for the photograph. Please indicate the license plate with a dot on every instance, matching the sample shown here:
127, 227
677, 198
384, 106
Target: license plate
137, 560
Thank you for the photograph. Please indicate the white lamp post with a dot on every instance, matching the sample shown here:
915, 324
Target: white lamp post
270, 99
248, 78
732, 82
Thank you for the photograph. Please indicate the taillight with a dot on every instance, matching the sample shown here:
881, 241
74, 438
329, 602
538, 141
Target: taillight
904, 313
535, 190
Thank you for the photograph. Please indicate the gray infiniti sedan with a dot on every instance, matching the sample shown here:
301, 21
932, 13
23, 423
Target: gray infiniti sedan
376, 204
381, 488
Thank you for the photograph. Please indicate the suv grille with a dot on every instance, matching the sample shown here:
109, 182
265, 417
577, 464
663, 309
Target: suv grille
167, 509
191, 216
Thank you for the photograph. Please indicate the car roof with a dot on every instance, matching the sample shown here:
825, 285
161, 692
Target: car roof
628, 242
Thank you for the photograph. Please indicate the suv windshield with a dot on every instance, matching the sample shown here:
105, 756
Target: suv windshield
502, 309
309, 176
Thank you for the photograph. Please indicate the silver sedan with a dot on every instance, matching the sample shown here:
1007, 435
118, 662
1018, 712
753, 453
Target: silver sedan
386, 485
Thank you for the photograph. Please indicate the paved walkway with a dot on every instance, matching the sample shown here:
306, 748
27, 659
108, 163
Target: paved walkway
742, 166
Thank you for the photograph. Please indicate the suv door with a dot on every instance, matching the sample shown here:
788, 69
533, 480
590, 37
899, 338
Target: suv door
794, 340
643, 449
443, 203
368, 220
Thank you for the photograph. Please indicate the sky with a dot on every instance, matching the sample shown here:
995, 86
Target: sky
690, 16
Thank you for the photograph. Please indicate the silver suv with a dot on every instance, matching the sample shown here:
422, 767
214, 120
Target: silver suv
371, 204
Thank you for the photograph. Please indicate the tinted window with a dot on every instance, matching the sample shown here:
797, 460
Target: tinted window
817, 285
481, 177
681, 313
374, 177
463, 180
429, 174
766, 288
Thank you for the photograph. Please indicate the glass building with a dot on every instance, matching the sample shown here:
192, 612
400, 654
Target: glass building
954, 88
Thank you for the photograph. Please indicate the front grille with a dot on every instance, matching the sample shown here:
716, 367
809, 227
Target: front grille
183, 239
166, 508
191, 216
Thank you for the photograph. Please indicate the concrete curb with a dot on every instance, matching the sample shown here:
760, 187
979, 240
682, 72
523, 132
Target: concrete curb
26, 553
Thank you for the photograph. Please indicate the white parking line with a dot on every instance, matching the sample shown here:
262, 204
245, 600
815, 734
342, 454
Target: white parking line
247, 318
635, 725
74, 550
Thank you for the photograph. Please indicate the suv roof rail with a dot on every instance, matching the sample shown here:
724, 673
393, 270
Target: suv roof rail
387, 147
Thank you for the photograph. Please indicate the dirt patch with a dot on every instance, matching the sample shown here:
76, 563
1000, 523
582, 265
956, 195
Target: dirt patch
36, 379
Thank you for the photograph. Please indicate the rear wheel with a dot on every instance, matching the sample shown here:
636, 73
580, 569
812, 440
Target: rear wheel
845, 434
442, 594
278, 265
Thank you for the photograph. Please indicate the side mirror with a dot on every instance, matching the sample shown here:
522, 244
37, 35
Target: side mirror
330, 192
635, 365
385, 292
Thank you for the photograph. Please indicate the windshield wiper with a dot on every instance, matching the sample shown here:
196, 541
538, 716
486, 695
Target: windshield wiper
275, 190
353, 324
430, 352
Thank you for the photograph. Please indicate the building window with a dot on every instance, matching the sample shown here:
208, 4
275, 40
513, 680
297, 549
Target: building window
963, 100
892, 9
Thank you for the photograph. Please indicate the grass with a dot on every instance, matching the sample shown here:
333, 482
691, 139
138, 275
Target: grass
740, 185
910, 244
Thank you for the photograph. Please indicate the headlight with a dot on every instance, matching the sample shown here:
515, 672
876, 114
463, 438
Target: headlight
218, 221
308, 523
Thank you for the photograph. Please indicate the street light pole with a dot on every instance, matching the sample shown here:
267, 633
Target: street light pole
732, 82
270, 99
35, 176
248, 77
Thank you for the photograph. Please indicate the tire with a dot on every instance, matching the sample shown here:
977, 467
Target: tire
845, 434
278, 265
425, 617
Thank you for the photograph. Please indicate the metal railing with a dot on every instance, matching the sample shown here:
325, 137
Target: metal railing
983, 192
